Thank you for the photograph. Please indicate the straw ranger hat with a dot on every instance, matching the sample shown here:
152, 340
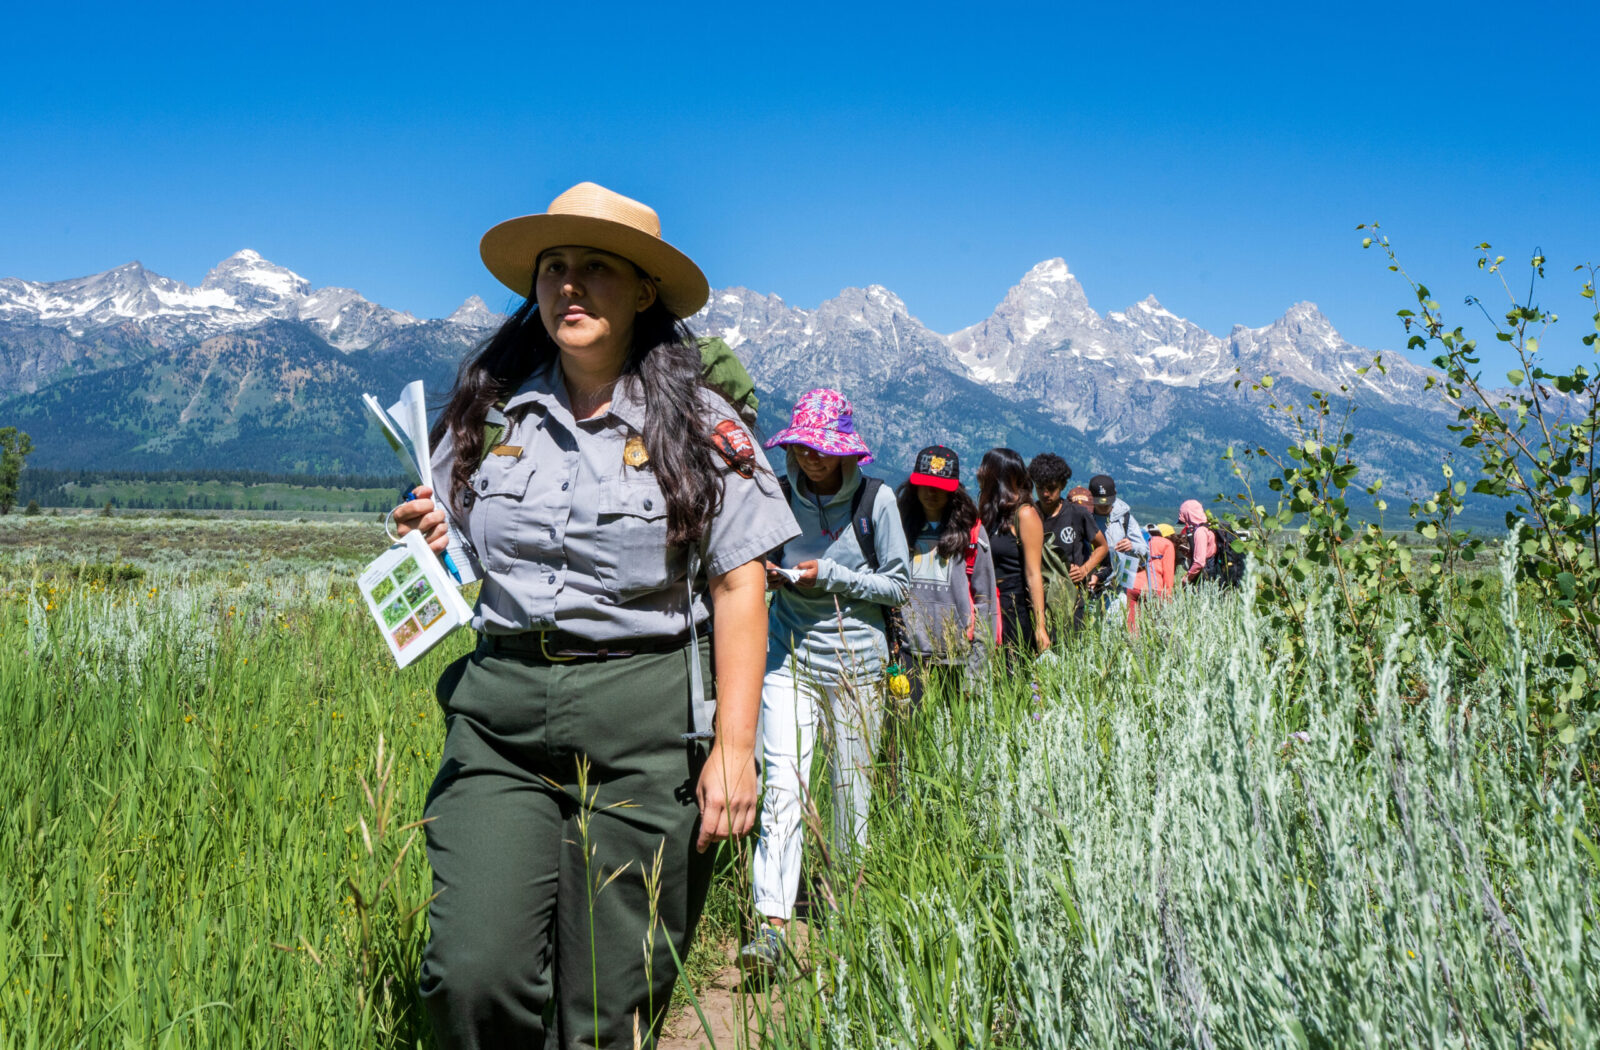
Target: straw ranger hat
592, 216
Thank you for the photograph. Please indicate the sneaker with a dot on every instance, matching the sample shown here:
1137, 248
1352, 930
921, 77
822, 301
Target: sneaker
767, 953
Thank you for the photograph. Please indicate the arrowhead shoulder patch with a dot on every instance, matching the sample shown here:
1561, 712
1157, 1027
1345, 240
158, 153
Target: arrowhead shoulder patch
733, 444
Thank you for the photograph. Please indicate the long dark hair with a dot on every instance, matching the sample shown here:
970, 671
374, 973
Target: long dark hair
955, 527
1003, 487
664, 358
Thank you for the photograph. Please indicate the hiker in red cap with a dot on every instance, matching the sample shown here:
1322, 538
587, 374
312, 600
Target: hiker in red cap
953, 615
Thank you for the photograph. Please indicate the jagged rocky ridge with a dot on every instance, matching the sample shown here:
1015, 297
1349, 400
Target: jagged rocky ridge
1142, 394
242, 291
255, 368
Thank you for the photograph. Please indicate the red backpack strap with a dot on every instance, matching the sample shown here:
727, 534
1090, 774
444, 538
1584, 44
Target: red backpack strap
972, 559
972, 595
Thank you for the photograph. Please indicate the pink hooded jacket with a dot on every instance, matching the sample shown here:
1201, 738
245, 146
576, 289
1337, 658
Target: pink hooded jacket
1193, 518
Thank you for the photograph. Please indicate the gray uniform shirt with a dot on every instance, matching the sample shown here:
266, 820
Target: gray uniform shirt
567, 535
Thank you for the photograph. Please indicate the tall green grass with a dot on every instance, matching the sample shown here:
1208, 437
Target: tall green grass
203, 845
189, 855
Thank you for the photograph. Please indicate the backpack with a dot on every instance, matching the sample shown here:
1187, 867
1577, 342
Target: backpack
1051, 561
725, 373
1227, 565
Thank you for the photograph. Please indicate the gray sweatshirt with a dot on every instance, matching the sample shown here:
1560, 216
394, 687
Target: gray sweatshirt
941, 605
836, 627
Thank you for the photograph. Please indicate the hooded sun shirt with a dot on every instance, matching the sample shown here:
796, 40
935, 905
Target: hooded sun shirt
1118, 525
1193, 517
836, 627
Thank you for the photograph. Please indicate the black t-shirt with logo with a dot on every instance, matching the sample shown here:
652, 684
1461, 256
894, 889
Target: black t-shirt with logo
1071, 531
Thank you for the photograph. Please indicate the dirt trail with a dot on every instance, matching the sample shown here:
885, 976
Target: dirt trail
730, 1020
734, 1006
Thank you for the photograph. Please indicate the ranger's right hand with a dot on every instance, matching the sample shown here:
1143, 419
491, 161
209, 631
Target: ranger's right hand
421, 513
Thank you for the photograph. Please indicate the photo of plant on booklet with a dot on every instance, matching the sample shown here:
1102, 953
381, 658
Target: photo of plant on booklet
423, 605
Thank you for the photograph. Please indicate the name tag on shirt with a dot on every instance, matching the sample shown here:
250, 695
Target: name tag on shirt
506, 450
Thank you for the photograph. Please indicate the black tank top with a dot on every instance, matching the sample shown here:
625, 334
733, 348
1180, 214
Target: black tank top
1007, 554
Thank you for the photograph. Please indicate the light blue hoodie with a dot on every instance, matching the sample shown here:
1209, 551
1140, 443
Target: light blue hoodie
837, 626
1121, 524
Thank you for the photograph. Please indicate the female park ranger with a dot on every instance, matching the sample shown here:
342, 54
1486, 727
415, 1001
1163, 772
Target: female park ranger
612, 504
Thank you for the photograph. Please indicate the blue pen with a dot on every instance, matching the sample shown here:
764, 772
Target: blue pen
444, 556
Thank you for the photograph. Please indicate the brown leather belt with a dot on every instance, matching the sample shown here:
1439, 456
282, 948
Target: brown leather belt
561, 647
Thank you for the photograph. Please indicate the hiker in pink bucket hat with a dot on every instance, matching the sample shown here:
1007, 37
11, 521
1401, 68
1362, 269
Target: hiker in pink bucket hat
828, 650
823, 420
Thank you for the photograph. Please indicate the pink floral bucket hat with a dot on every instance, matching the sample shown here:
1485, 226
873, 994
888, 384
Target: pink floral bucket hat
823, 420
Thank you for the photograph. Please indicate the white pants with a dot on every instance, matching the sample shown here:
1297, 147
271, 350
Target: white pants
792, 707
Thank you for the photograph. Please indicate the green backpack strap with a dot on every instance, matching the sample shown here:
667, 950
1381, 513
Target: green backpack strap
495, 425
725, 373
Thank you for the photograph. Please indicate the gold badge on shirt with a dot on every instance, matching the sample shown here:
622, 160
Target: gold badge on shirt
634, 454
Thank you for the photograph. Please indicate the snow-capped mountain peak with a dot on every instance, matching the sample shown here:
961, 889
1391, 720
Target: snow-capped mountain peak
1303, 344
1307, 320
1044, 332
1050, 271
475, 313
1302, 326
253, 281
1047, 292
1037, 314
871, 307
1152, 306
345, 319
126, 292
241, 291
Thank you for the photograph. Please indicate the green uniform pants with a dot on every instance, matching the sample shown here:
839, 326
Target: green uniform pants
527, 845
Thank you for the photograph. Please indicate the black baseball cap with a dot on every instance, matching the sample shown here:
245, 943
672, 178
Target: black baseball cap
1102, 489
937, 467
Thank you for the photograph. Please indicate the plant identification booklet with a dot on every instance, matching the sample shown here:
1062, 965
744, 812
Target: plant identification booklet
405, 426
411, 598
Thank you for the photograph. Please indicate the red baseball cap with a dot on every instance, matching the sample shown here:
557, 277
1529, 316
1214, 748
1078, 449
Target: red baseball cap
938, 468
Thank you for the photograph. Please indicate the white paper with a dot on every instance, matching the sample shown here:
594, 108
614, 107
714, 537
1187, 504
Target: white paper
400, 437
405, 426
792, 575
412, 413
411, 598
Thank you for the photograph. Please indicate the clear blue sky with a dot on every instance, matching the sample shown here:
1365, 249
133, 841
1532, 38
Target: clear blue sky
1218, 157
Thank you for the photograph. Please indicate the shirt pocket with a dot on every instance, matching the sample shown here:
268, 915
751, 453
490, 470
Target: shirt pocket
498, 490
632, 539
